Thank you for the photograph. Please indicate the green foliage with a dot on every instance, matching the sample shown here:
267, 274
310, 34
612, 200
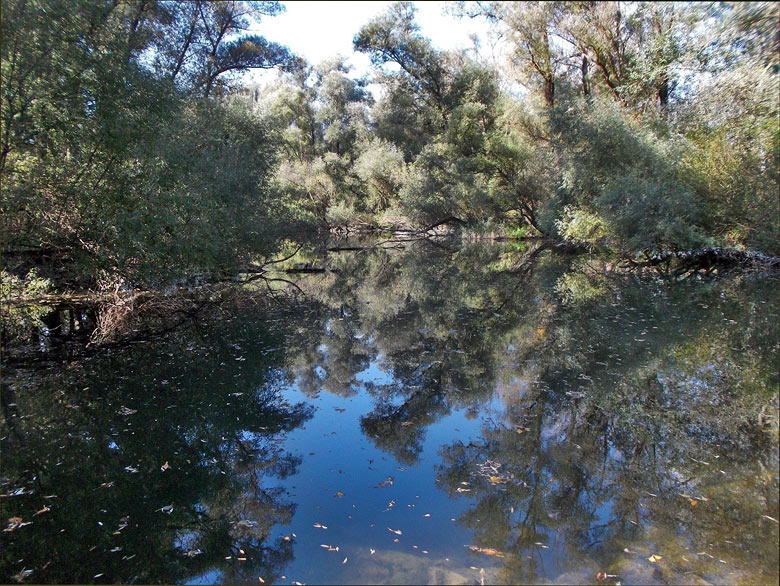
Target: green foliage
580, 225
18, 321
381, 166
108, 163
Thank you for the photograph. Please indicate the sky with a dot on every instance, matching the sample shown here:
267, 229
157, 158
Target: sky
319, 30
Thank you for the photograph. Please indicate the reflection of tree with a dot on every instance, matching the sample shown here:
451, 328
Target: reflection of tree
611, 440
154, 480
614, 387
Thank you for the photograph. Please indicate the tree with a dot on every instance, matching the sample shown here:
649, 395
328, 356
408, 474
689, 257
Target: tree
198, 43
394, 38
97, 135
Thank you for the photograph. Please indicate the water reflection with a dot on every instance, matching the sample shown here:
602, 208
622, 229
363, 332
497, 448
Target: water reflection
150, 465
624, 427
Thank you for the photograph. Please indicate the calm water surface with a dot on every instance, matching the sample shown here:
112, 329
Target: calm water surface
422, 413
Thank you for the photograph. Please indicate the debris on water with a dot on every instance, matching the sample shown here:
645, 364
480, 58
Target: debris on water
21, 575
388, 482
15, 523
486, 550
246, 523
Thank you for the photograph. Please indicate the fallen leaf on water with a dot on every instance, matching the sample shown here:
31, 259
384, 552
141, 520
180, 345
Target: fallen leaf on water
372, 550
260, 580
427, 515
318, 526
165, 466
286, 538
339, 494
604, 576
771, 518
388, 482
245, 523
344, 562
21, 575
15, 523
396, 531
486, 551
166, 509
464, 490
693, 503
625, 549
45, 509
654, 558
497, 480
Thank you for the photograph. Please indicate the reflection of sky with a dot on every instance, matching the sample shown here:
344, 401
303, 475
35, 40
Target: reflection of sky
338, 457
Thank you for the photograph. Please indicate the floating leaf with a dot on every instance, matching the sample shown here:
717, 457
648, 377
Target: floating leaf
388, 482
654, 558
15, 523
372, 550
21, 575
165, 466
339, 494
486, 551
45, 509
396, 531
344, 562
770, 518
497, 480
318, 526
166, 509
246, 523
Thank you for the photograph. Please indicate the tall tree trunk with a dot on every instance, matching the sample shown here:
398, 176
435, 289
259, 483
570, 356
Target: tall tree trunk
662, 92
584, 70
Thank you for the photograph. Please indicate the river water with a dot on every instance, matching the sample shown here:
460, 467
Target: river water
418, 413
